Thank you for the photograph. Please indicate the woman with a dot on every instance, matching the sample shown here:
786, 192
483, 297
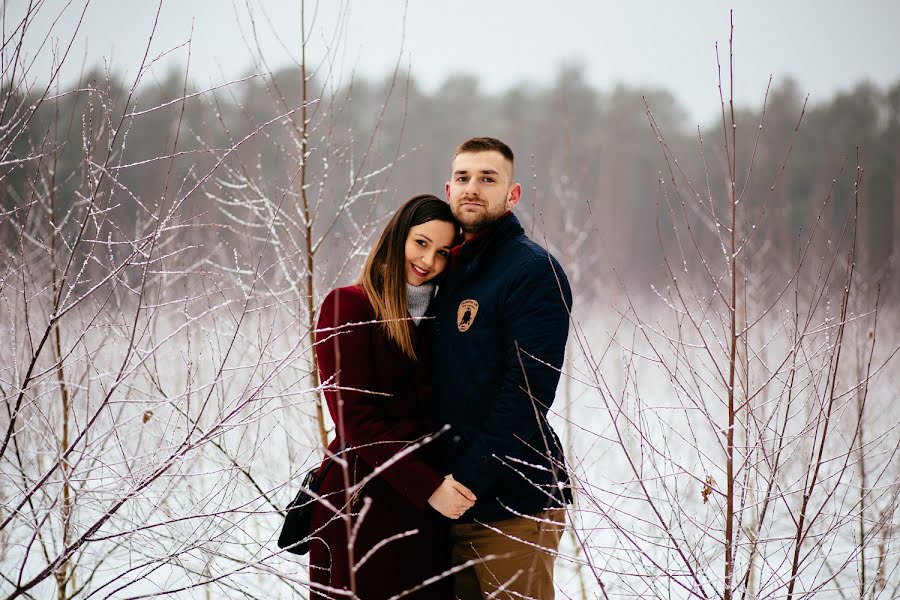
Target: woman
372, 348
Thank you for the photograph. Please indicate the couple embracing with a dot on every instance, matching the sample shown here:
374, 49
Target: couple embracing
462, 334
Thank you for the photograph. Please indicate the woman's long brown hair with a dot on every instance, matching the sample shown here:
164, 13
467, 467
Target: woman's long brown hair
384, 275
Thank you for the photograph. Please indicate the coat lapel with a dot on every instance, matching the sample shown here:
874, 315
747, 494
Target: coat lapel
471, 256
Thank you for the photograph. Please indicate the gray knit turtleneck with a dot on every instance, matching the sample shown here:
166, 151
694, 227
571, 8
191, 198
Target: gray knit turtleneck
417, 299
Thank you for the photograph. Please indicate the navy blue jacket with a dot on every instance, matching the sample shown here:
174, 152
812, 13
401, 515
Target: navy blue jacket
502, 317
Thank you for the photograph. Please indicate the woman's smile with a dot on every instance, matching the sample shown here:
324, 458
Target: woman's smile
421, 272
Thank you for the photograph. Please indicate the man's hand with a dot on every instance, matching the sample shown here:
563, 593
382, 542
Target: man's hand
452, 498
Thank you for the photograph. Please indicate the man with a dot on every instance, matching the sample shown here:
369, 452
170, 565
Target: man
502, 318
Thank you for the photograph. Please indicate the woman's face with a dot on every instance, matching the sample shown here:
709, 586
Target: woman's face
427, 250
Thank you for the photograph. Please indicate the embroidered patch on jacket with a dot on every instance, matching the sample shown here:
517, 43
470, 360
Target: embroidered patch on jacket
465, 315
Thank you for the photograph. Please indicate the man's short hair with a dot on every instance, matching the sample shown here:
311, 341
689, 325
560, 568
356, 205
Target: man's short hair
486, 144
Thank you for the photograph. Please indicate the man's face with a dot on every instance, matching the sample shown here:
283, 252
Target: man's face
481, 189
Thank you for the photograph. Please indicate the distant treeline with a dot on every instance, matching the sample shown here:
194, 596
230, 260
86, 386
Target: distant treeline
588, 159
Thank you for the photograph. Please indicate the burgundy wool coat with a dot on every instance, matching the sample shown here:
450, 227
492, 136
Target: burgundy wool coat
358, 358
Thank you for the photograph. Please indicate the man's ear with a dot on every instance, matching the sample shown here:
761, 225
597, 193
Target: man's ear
447, 191
514, 195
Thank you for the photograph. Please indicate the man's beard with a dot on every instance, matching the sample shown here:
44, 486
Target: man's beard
485, 220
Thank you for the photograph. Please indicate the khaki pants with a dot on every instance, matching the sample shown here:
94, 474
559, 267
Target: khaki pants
523, 571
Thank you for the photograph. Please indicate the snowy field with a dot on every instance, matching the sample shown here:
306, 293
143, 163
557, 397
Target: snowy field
188, 424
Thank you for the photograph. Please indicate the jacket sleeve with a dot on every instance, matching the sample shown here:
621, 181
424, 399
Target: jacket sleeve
343, 346
536, 324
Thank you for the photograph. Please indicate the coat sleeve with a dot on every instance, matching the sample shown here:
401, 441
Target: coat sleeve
343, 350
536, 319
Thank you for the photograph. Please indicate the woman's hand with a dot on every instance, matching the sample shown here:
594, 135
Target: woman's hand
452, 498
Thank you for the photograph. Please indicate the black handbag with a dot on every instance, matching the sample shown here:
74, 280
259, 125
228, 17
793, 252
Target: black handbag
295, 532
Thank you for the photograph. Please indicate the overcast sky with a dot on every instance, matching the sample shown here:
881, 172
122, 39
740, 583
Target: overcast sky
827, 45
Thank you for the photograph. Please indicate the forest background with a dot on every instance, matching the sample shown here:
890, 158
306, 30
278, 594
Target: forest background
727, 399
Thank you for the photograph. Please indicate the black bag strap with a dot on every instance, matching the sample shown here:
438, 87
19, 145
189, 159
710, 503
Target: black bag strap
329, 460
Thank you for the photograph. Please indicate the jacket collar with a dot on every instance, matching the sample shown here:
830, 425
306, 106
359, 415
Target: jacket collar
467, 256
506, 227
